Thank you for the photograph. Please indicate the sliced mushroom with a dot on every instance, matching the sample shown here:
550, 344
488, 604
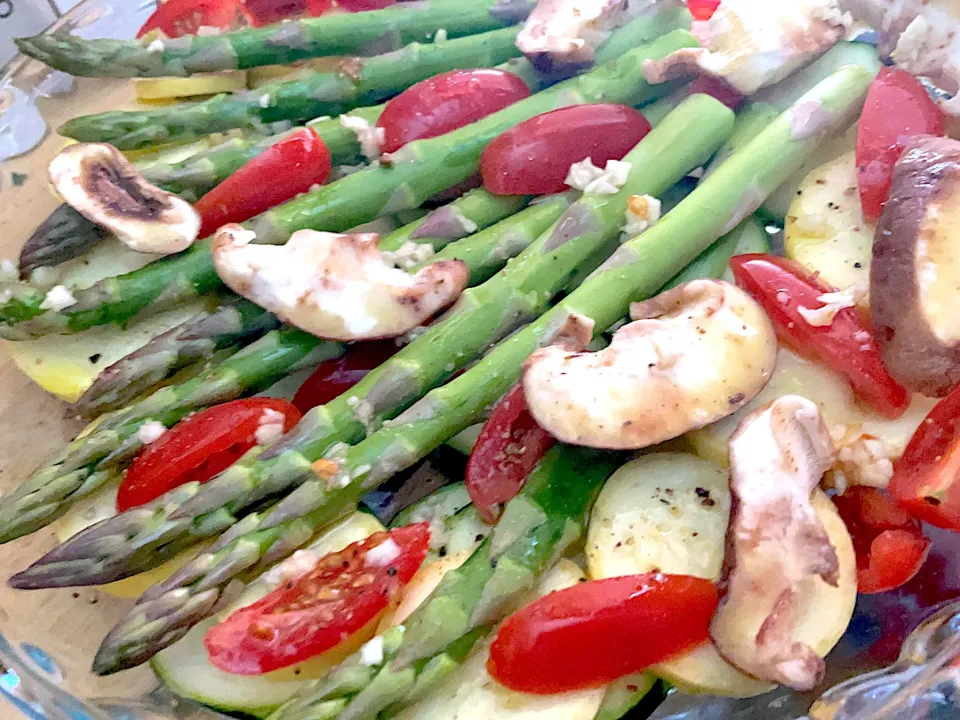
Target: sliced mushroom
754, 43
562, 33
695, 354
776, 543
334, 286
102, 185
915, 269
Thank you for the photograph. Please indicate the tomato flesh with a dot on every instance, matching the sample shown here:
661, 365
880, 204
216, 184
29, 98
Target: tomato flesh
846, 346
534, 157
198, 448
507, 450
595, 632
702, 9
278, 174
303, 618
890, 545
446, 102
176, 18
926, 478
266, 12
897, 108
335, 376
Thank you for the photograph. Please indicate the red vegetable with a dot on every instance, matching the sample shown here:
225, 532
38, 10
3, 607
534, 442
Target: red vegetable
265, 12
508, 448
322, 7
446, 102
198, 448
897, 108
534, 157
589, 634
337, 375
847, 346
343, 593
278, 174
889, 543
176, 18
926, 479
702, 9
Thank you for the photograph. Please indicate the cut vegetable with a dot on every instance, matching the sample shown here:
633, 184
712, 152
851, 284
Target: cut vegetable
455, 524
201, 84
186, 670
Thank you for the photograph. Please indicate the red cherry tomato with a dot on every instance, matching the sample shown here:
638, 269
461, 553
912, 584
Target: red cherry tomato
198, 448
717, 88
926, 478
846, 345
534, 157
322, 7
702, 9
446, 102
337, 375
278, 174
592, 633
176, 18
266, 12
508, 448
897, 108
343, 593
889, 543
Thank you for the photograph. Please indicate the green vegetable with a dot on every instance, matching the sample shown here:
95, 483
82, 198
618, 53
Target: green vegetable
339, 34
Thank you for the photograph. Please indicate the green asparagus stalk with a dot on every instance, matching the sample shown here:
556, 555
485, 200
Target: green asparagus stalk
355, 83
114, 438
346, 34
197, 339
416, 172
637, 270
64, 235
538, 526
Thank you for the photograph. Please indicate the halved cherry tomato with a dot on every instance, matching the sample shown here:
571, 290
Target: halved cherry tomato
508, 448
335, 376
897, 108
278, 174
889, 543
926, 478
702, 9
266, 12
176, 18
717, 88
534, 157
196, 449
322, 7
343, 593
846, 346
589, 634
446, 102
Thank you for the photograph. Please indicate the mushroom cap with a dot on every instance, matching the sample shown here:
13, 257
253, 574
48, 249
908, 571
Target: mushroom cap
695, 354
100, 183
334, 286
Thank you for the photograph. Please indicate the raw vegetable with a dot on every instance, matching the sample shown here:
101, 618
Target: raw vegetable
421, 170
702, 9
613, 627
446, 102
186, 669
913, 278
176, 18
290, 167
314, 613
455, 524
202, 446
508, 448
558, 139
337, 375
889, 543
151, 89
925, 479
356, 83
843, 342
897, 109
275, 44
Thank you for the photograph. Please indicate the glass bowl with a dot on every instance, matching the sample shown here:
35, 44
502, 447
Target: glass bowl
877, 671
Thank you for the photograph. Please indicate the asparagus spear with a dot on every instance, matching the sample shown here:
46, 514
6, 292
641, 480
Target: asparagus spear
356, 82
280, 44
114, 438
190, 342
417, 172
64, 235
640, 267
547, 517
476, 594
